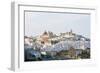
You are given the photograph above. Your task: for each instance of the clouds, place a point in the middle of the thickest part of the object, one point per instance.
(37, 22)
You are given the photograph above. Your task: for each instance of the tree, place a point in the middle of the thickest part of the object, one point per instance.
(84, 54)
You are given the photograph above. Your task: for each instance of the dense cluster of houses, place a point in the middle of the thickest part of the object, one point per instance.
(52, 43)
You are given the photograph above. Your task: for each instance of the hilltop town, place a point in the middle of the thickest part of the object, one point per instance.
(50, 46)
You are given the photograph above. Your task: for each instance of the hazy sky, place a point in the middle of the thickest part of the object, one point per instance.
(37, 22)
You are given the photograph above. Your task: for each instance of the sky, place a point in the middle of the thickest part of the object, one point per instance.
(38, 22)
